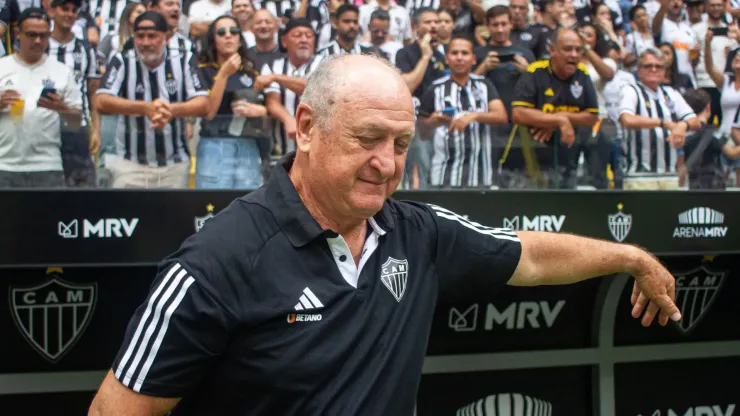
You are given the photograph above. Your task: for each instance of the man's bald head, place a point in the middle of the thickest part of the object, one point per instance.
(564, 33)
(347, 78)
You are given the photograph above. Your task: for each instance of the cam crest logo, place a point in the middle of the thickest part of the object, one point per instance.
(171, 86)
(200, 221)
(620, 224)
(394, 274)
(576, 89)
(53, 315)
(696, 291)
(246, 80)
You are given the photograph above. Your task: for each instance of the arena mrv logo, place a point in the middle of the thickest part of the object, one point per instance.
(102, 228)
(53, 315)
(518, 315)
(552, 223)
(710, 410)
(700, 222)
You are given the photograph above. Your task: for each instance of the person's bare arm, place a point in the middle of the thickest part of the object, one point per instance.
(198, 29)
(536, 118)
(496, 114)
(713, 72)
(111, 104)
(605, 71)
(582, 118)
(295, 84)
(276, 109)
(115, 399)
(658, 19)
(560, 259)
(302, 10)
(413, 79)
(632, 121)
(194, 107)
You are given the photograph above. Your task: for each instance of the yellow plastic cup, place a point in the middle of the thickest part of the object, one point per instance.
(16, 110)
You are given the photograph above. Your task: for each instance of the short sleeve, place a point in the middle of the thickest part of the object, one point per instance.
(525, 92)
(628, 102)
(471, 258)
(403, 61)
(492, 91)
(114, 76)
(194, 85)
(683, 110)
(93, 69)
(206, 77)
(274, 87)
(589, 90)
(426, 106)
(175, 334)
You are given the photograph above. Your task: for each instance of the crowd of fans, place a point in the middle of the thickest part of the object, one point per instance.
(625, 94)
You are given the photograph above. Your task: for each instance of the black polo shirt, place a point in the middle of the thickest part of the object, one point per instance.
(540, 88)
(264, 313)
(407, 58)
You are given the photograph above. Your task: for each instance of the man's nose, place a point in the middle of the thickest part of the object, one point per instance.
(384, 158)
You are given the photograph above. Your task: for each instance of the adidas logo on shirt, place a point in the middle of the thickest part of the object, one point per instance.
(307, 301)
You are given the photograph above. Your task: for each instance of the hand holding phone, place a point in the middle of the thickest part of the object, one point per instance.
(720, 31)
(449, 111)
(508, 57)
(48, 91)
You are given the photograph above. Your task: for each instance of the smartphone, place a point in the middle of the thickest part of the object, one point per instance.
(719, 31)
(46, 91)
(449, 111)
(508, 57)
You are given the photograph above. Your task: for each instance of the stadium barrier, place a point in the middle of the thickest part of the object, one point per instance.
(75, 265)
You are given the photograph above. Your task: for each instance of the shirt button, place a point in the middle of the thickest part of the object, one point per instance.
(342, 257)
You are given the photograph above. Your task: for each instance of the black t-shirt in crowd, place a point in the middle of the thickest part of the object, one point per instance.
(505, 77)
(536, 37)
(260, 59)
(706, 171)
(263, 312)
(406, 60)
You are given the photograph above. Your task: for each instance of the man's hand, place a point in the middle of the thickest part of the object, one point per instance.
(438, 119)
(263, 81)
(425, 44)
(8, 98)
(53, 102)
(567, 135)
(94, 141)
(245, 109)
(541, 135)
(159, 114)
(654, 288)
(519, 63)
(678, 135)
(460, 123)
(492, 61)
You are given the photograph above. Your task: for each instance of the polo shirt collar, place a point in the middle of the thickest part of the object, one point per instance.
(292, 215)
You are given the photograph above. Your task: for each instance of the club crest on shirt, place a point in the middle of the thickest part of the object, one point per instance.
(576, 89)
(246, 80)
(48, 83)
(398, 21)
(394, 274)
(525, 36)
(171, 86)
(480, 95)
(77, 56)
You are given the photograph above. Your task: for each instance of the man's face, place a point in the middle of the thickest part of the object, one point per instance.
(694, 11)
(378, 31)
(460, 57)
(358, 162)
(715, 9)
(242, 10)
(556, 8)
(569, 7)
(675, 7)
(499, 27)
(150, 46)
(651, 70)
(428, 23)
(300, 42)
(34, 38)
(66, 15)
(566, 53)
(170, 9)
(519, 12)
(348, 26)
(641, 19)
(263, 25)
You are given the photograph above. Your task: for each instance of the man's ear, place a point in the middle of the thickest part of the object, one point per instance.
(304, 122)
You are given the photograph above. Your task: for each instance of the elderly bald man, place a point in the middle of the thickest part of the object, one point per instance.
(314, 295)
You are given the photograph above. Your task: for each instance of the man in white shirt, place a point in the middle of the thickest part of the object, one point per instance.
(672, 28)
(400, 24)
(35, 92)
(380, 21)
(720, 48)
(203, 12)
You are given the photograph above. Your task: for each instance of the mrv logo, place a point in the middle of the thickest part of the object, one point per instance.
(552, 223)
(102, 228)
(700, 222)
(713, 410)
(518, 315)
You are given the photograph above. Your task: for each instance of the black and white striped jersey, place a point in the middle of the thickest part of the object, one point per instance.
(315, 334)
(107, 14)
(414, 5)
(288, 98)
(647, 150)
(333, 48)
(277, 7)
(174, 80)
(318, 14)
(79, 56)
(461, 159)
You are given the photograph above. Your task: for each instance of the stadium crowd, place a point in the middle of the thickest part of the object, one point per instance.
(509, 94)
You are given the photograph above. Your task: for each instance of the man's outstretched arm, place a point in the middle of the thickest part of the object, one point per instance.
(115, 399)
(559, 259)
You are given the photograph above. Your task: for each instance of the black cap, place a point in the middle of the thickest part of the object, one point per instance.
(57, 3)
(33, 13)
(294, 23)
(150, 20)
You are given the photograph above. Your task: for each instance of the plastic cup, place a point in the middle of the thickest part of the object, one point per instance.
(16, 109)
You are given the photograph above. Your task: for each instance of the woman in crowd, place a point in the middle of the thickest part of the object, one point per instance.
(446, 27)
(228, 154)
(604, 20)
(112, 42)
(729, 85)
(641, 38)
(681, 82)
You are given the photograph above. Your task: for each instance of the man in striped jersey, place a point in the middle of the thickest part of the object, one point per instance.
(657, 118)
(232, 328)
(278, 8)
(348, 30)
(177, 43)
(285, 79)
(152, 91)
(107, 14)
(79, 56)
(461, 107)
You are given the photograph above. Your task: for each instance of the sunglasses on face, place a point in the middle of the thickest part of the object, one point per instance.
(651, 67)
(222, 31)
